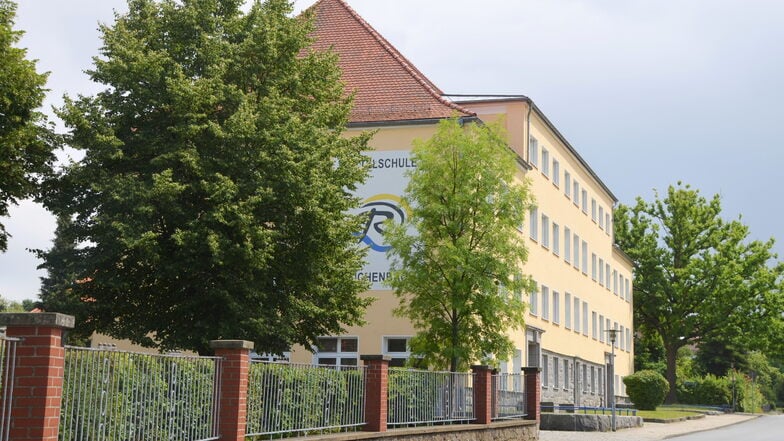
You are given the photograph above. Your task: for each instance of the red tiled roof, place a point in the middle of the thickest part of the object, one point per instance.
(387, 86)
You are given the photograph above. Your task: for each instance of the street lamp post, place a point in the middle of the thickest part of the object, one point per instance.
(613, 334)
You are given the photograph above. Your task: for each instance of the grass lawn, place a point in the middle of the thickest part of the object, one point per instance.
(665, 413)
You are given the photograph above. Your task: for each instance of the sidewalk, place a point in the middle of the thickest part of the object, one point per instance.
(649, 431)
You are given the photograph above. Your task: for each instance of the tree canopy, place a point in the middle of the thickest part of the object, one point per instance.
(213, 197)
(26, 141)
(456, 267)
(698, 277)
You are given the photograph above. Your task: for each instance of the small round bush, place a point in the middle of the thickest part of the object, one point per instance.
(646, 389)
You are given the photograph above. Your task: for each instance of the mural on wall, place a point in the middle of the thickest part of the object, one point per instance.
(381, 201)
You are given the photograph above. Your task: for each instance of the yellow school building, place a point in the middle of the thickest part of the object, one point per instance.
(584, 280)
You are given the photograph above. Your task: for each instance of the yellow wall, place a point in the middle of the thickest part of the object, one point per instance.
(543, 265)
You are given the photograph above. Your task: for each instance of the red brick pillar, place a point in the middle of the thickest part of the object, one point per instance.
(376, 392)
(533, 392)
(38, 379)
(233, 398)
(483, 394)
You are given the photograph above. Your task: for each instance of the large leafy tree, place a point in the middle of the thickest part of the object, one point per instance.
(697, 276)
(456, 266)
(26, 141)
(212, 199)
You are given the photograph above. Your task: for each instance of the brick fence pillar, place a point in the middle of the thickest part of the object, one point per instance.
(376, 392)
(38, 380)
(533, 392)
(233, 398)
(483, 394)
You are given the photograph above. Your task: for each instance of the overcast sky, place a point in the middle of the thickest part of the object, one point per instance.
(649, 92)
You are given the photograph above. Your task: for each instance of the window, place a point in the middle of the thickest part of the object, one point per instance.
(593, 379)
(601, 379)
(622, 338)
(577, 315)
(585, 319)
(533, 151)
(594, 326)
(533, 218)
(585, 201)
(576, 192)
(601, 272)
(567, 310)
(533, 301)
(593, 266)
(545, 162)
(576, 256)
(545, 231)
(556, 307)
(628, 340)
(607, 275)
(618, 340)
(518, 292)
(628, 291)
(337, 351)
(556, 173)
(556, 380)
(608, 223)
(615, 282)
(398, 349)
(585, 377)
(545, 371)
(567, 245)
(585, 257)
(593, 209)
(607, 328)
(556, 239)
(545, 303)
(601, 217)
(566, 374)
(601, 328)
(567, 184)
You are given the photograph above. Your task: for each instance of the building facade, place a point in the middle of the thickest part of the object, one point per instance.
(584, 281)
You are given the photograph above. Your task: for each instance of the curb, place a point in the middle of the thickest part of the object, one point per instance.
(673, 420)
(713, 428)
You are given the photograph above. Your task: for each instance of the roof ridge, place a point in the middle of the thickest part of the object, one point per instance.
(409, 67)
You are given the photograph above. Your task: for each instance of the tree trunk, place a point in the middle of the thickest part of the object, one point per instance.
(671, 354)
(454, 361)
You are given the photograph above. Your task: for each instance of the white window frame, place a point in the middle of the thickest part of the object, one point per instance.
(533, 151)
(533, 220)
(396, 354)
(545, 303)
(556, 307)
(567, 310)
(339, 354)
(545, 231)
(556, 173)
(545, 162)
(556, 239)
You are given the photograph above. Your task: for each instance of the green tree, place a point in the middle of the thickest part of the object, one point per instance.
(696, 275)
(26, 141)
(213, 197)
(458, 277)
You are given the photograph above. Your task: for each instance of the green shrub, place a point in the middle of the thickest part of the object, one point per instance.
(708, 390)
(646, 389)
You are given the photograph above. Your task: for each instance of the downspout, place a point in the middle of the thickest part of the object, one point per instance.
(528, 132)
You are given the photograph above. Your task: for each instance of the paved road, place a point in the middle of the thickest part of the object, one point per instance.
(660, 431)
(767, 428)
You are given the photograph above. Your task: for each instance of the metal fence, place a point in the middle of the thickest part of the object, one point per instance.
(425, 397)
(289, 398)
(111, 395)
(509, 398)
(7, 371)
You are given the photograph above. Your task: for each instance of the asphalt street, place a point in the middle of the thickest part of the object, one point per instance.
(766, 428)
